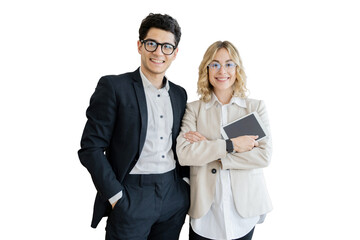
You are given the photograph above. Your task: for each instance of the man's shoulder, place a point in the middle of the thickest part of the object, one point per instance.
(177, 88)
(124, 78)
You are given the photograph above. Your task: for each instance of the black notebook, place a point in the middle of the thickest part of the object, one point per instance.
(250, 124)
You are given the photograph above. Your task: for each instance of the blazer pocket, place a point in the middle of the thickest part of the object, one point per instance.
(120, 202)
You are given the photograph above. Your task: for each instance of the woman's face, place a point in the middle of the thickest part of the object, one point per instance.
(222, 72)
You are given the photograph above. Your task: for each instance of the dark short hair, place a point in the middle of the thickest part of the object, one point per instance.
(164, 22)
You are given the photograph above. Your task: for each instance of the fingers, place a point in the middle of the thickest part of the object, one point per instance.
(193, 136)
(254, 136)
(198, 135)
(255, 143)
(245, 143)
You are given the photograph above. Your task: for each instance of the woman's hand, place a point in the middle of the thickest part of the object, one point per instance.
(193, 136)
(244, 143)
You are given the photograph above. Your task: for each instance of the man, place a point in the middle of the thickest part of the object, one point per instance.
(128, 144)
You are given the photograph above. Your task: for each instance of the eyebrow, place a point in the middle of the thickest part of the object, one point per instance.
(150, 39)
(230, 60)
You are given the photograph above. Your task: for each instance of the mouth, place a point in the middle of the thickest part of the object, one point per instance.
(156, 61)
(222, 79)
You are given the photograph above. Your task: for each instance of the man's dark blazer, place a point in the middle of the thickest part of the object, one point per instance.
(115, 132)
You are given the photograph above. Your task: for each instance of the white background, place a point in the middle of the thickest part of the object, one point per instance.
(301, 57)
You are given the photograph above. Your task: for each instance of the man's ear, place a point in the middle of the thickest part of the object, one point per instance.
(139, 46)
(175, 52)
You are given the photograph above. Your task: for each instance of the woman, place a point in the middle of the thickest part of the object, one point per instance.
(228, 192)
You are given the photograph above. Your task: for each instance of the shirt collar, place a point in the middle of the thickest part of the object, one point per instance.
(214, 100)
(147, 83)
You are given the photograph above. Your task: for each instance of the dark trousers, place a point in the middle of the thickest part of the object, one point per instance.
(153, 207)
(194, 236)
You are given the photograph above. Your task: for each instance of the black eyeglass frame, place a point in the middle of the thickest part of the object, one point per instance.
(157, 45)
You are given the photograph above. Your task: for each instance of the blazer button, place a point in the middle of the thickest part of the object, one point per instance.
(213, 171)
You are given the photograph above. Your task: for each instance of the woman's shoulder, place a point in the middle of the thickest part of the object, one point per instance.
(195, 106)
(253, 102)
(194, 103)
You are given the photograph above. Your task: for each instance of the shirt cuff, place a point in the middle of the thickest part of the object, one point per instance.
(115, 198)
(187, 180)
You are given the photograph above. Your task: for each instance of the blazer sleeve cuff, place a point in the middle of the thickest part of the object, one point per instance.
(116, 197)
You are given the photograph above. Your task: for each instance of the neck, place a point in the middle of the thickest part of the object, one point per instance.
(223, 96)
(155, 79)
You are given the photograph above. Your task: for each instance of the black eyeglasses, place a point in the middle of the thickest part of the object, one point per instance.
(151, 46)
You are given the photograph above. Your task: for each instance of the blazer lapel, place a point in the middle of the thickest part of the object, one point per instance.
(141, 100)
(175, 109)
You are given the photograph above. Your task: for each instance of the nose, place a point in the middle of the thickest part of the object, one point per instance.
(222, 69)
(158, 50)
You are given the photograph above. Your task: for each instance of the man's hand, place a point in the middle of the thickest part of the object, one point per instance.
(113, 205)
(244, 143)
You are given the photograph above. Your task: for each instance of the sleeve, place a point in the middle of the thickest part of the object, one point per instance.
(198, 153)
(116, 198)
(258, 157)
(101, 115)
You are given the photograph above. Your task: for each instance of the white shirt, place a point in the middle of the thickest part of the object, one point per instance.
(156, 156)
(223, 222)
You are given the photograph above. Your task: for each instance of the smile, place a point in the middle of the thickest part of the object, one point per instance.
(222, 79)
(156, 61)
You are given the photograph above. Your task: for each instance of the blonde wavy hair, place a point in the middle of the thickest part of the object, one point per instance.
(204, 87)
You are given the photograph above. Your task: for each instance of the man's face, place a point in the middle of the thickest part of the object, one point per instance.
(154, 64)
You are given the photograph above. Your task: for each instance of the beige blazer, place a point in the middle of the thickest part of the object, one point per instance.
(247, 179)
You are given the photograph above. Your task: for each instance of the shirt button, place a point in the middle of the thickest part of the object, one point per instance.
(213, 171)
(158, 95)
(161, 138)
(163, 156)
(161, 116)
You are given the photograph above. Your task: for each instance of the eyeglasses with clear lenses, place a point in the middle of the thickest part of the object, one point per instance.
(151, 46)
(215, 66)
